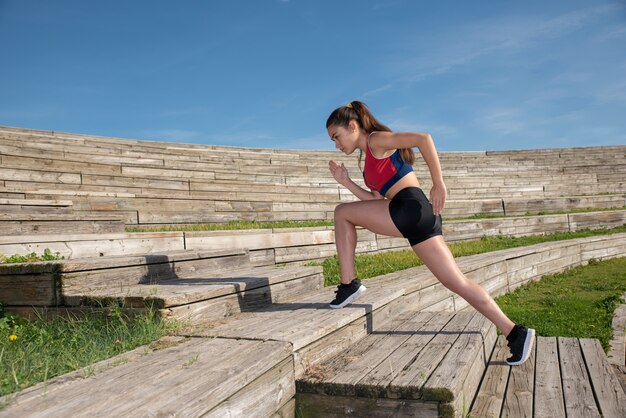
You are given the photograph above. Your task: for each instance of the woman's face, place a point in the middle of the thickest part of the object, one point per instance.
(345, 138)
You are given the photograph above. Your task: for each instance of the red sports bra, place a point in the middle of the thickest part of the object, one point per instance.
(382, 173)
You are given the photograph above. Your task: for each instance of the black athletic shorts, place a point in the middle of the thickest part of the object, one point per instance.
(412, 214)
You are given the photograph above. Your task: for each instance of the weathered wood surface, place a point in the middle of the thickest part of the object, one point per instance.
(287, 182)
(607, 390)
(60, 227)
(617, 350)
(218, 308)
(185, 290)
(564, 376)
(489, 399)
(301, 321)
(407, 359)
(548, 395)
(518, 400)
(193, 378)
(311, 405)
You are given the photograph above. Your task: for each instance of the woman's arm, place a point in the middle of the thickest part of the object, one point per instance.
(340, 173)
(383, 141)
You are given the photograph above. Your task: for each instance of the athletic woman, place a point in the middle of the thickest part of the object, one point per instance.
(396, 206)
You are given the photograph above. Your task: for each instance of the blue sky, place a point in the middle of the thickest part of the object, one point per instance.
(477, 75)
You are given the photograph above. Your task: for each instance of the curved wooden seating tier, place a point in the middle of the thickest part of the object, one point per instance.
(153, 183)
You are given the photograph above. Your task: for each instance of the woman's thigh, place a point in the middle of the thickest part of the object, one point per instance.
(436, 255)
(370, 214)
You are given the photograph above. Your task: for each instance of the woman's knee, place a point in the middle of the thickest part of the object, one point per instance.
(341, 211)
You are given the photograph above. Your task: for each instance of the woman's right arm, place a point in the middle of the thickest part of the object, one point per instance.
(340, 173)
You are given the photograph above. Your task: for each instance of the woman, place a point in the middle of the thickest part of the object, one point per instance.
(396, 206)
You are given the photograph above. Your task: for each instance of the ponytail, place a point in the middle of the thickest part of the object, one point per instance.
(359, 112)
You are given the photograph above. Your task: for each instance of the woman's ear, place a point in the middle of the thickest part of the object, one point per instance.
(352, 126)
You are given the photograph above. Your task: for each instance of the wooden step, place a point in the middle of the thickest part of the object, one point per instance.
(209, 295)
(195, 377)
(432, 357)
(44, 283)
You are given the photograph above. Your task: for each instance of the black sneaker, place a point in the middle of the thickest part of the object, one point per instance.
(520, 341)
(346, 293)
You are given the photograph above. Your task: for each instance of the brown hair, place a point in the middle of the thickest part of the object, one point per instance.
(359, 112)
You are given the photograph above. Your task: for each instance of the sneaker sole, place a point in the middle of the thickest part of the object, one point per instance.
(350, 298)
(528, 345)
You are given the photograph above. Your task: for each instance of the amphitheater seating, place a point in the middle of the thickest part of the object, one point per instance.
(247, 296)
(295, 342)
(153, 183)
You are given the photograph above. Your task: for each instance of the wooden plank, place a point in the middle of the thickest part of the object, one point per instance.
(518, 401)
(59, 166)
(193, 304)
(308, 359)
(408, 383)
(322, 406)
(262, 397)
(39, 176)
(345, 370)
(457, 378)
(548, 395)
(617, 349)
(173, 291)
(36, 202)
(606, 386)
(490, 396)
(149, 183)
(59, 227)
(286, 411)
(577, 390)
(380, 376)
(29, 289)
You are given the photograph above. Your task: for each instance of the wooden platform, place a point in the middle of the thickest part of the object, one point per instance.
(564, 377)
(424, 371)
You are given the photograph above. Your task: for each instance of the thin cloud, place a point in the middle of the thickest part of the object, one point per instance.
(472, 42)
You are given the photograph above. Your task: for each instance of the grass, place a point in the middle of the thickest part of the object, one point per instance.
(579, 302)
(530, 214)
(32, 257)
(233, 225)
(236, 225)
(37, 350)
(371, 265)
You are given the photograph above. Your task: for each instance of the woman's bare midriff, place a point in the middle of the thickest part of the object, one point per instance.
(410, 180)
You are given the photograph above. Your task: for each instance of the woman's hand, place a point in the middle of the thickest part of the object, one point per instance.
(438, 197)
(339, 172)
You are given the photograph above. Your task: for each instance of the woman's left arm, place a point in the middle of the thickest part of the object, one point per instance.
(426, 145)
(438, 192)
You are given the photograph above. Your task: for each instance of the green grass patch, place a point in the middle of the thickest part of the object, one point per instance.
(234, 225)
(530, 214)
(579, 302)
(371, 265)
(33, 351)
(31, 258)
(238, 225)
